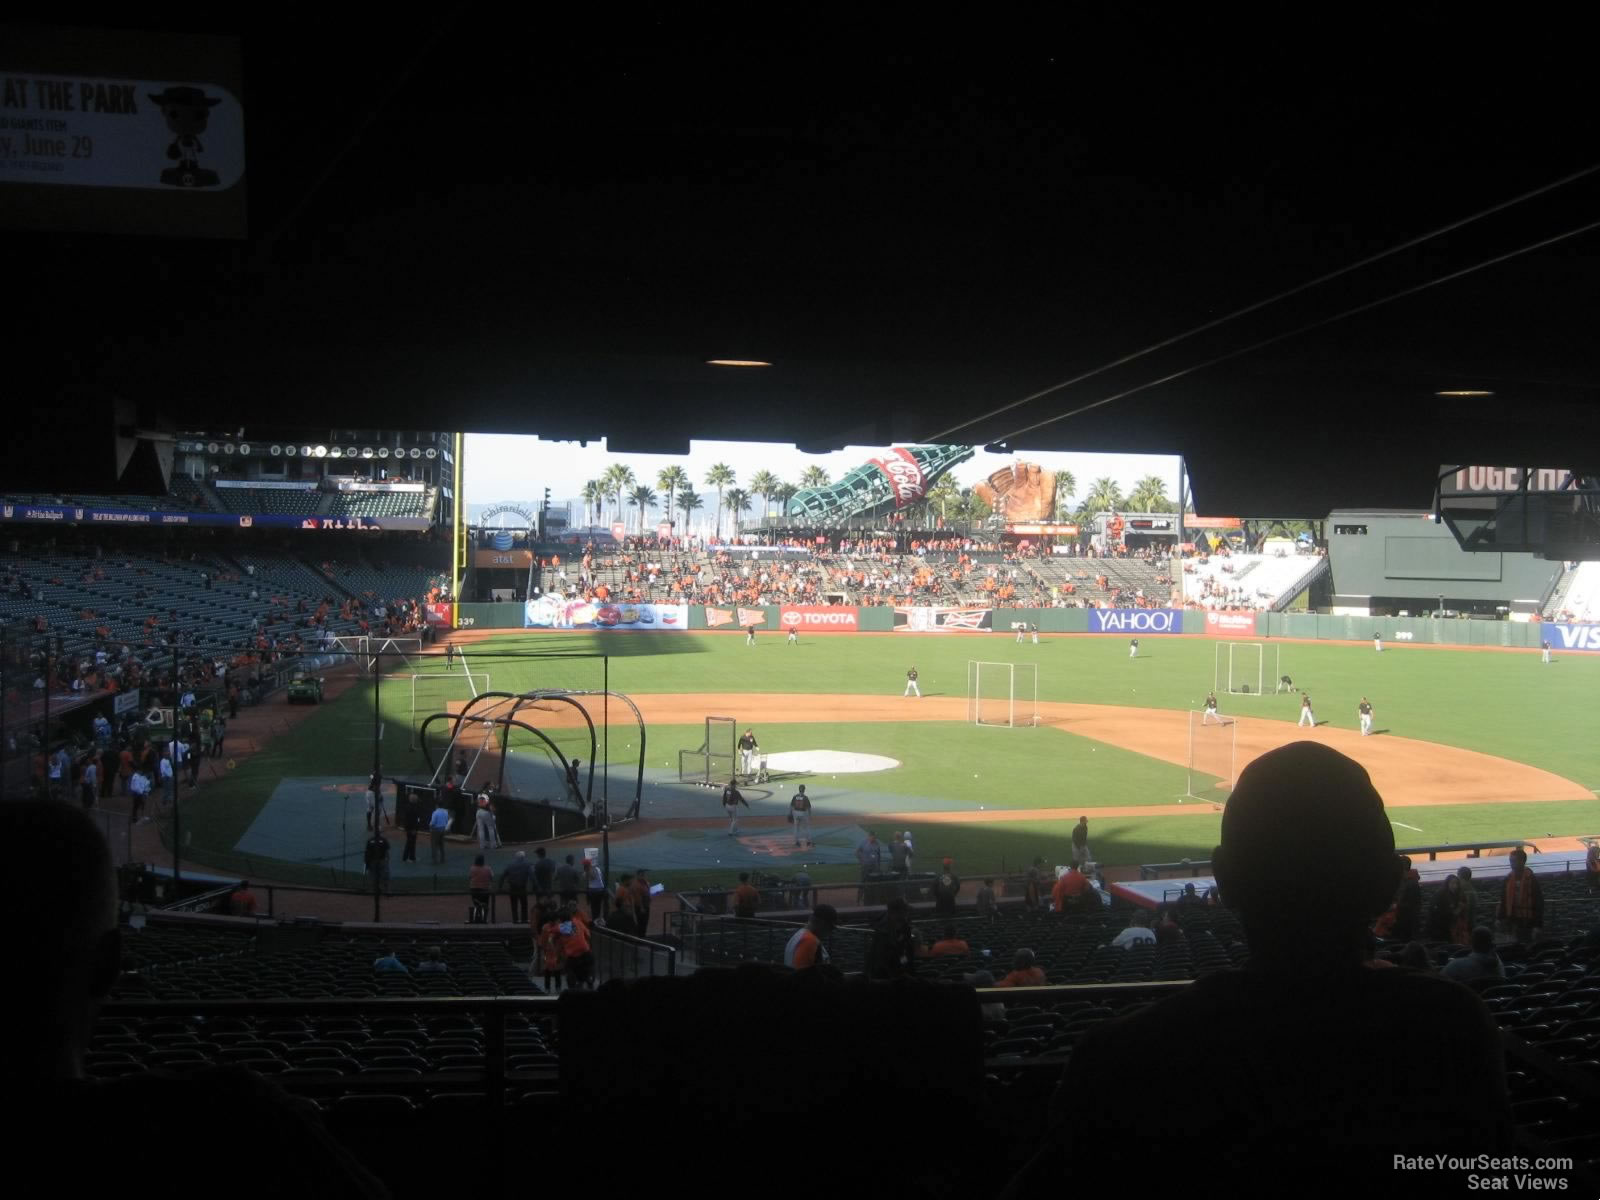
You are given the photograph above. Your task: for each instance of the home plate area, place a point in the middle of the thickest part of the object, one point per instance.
(831, 762)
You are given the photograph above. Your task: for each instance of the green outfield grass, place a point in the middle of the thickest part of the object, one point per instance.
(1505, 704)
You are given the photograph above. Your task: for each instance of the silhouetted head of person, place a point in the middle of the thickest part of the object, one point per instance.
(824, 917)
(75, 950)
(1297, 804)
(1483, 940)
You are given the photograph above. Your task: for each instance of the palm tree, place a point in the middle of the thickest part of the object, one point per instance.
(738, 502)
(765, 484)
(619, 478)
(594, 495)
(669, 480)
(721, 477)
(1066, 484)
(783, 494)
(1149, 495)
(688, 501)
(814, 477)
(643, 497)
(1104, 495)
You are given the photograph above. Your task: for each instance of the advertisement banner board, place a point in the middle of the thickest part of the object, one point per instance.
(1135, 621)
(928, 619)
(440, 616)
(1572, 637)
(814, 618)
(1230, 623)
(554, 612)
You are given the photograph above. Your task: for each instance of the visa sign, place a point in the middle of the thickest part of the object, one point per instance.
(1135, 620)
(1573, 637)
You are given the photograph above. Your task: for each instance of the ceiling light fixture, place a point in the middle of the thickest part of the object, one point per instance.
(1465, 392)
(736, 362)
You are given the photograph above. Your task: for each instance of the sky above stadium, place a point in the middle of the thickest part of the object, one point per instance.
(510, 468)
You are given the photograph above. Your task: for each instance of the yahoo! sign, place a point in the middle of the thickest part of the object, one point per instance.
(1135, 620)
(1572, 637)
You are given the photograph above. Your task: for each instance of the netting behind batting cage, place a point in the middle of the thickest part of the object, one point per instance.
(438, 691)
(716, 761)
(1245, 669)
(1004, 695)
(1212, 747)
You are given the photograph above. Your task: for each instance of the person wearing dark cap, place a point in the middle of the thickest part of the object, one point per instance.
(805, 948)
(1309, 1056)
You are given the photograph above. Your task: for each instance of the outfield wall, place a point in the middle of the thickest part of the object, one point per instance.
(1116, 622)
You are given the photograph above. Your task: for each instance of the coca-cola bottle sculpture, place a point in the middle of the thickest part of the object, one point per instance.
(895, 479)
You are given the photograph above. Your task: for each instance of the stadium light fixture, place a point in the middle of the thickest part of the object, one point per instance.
(1466, 392)
(736, 362)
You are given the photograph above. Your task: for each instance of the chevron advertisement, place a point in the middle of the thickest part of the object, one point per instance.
(1135, 621)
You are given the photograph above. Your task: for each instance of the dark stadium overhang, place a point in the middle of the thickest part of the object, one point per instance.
(935, 234)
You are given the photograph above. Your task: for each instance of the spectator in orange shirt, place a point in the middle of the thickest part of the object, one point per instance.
(573, 932)
(745, 898)
(1025, 973)
(805, 949)
(949, 944)
(243, 901)
(1072, 891)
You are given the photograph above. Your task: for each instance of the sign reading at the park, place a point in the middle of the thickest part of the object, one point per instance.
(131, 132)
(80, 131)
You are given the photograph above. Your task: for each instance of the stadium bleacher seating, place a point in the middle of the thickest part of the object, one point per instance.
(1577, 595)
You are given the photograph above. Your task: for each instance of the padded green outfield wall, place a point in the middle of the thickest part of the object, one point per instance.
(1448, 632)
(1318, 626)
(506, 615)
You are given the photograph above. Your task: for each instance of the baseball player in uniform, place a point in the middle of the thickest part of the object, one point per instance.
(1377, 642)
(1545, 653)
(1034, 629)
(911, 685)
(1286, 684)
(731, 800)
(792, 638)
(1365, 709)
(1306, 716)
(800, 814)
(1133, 648)
(1211, 710)
(1022, 629)
(749, 635)
(747, 751)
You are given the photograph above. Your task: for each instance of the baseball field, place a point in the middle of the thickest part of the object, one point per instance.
(1468, 745)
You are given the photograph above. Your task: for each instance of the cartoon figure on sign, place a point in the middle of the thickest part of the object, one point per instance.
(187, 110)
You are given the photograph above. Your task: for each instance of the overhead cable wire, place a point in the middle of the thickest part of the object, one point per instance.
(1307, 328)
(1270, 300)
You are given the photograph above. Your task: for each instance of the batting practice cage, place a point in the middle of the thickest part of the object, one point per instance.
(1212, 748)
(1002, 694)
(716, 761)
(1241, 668)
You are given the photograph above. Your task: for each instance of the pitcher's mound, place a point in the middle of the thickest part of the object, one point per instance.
(834, 762)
